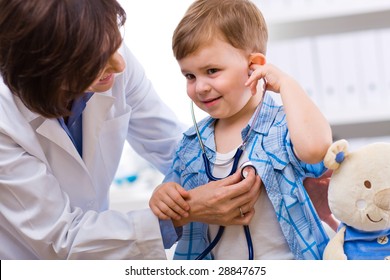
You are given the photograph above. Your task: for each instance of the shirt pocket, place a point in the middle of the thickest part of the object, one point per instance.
(271, 161)
(191, 169)
(276, 172)
(278, 159)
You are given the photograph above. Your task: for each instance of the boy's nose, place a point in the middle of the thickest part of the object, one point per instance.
(202, 87)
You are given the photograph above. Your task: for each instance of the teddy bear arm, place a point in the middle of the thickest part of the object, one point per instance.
(335, 248)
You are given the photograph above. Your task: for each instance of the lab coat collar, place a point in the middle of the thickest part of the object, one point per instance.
(94, 115)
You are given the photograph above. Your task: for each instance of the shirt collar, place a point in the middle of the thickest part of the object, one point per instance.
(261, 125)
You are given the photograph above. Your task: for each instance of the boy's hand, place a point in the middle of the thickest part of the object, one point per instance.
(309, 130)
(273, 76)
(168, 202)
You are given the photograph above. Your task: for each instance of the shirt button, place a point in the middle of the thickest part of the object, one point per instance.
(383, 240)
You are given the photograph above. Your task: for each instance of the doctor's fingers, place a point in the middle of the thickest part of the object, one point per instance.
(247, 200)
(254, 193)
(245, 219)
(242, 203)
(233, 186)
(244, 191)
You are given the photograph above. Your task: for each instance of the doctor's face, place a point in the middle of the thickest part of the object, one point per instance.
(106, 78)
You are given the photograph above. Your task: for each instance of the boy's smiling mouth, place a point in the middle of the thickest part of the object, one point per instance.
(210, 102)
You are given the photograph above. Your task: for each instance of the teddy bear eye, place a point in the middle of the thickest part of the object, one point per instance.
(367, 184)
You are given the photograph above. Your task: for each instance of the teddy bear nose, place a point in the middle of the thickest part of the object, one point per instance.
(382, 199)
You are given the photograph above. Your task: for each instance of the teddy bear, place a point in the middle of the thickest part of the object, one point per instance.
(359, 197)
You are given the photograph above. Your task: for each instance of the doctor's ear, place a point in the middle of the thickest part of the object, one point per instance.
(257, 58)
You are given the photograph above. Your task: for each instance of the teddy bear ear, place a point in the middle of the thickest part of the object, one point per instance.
(336, 154)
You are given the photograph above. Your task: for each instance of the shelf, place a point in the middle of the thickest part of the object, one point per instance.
(337, 50)
(361, 130)
(329, 24)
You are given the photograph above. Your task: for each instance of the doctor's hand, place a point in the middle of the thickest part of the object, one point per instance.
(168, 201)
(219, 202)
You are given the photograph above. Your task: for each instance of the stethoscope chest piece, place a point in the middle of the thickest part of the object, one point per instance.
(244, 169)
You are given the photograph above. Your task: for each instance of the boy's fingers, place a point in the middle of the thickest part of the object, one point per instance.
(169, 212)
(166, 206)
(156, 211)
(180, 199)
(176, 205)
(183, 192)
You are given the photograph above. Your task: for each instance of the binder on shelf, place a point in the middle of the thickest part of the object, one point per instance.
(279, 54)
(305, 67)
(384, 44)
(348, 72)
(367, 55)
(328, 77)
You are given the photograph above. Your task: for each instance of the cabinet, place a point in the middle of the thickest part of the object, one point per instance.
(338, 51)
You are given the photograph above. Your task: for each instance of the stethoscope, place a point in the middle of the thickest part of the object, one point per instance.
(235, 159)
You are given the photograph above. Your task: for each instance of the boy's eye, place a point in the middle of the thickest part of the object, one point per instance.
(212, 71)
(189, 76)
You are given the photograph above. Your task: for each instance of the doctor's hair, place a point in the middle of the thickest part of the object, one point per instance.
(237, 22)
(52, 51)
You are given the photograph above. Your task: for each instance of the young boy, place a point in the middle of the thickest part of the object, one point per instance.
(218, 45)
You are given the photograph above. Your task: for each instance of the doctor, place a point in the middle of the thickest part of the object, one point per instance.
(71, 94)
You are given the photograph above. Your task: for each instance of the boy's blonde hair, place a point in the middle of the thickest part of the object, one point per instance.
(238, 22)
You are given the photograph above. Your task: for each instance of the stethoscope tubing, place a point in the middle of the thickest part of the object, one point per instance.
(211, 177)
(221, 229)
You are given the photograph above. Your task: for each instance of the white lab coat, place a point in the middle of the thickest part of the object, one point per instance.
(53, 203)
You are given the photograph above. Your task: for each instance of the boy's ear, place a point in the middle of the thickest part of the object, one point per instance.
(257, 58)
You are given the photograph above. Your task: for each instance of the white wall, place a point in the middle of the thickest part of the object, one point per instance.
(148, 31)
(149, 28)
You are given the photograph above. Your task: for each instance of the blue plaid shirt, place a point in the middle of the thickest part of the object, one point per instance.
(270, 150)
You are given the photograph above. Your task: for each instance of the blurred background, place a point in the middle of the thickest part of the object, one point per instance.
(336, 49)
